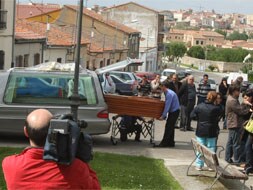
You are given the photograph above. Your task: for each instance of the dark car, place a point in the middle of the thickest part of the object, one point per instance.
(245, 85)
(124, 87)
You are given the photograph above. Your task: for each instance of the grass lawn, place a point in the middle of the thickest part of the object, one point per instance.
(120, 171)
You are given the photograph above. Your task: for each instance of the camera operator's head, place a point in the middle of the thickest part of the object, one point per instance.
(36, 126)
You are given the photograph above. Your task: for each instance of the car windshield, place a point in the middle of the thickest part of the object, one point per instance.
(47, 88)
(167, 73)
(210, 81)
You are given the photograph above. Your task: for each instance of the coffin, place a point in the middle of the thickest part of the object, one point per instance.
(134, 105)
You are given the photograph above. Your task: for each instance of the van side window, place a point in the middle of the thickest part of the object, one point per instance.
(48, 88)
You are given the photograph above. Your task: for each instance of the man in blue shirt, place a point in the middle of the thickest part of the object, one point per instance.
(171, 112)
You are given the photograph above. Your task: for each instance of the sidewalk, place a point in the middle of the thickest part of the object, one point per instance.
(176, 159)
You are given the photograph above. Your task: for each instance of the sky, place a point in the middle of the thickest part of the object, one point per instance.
(220, 6)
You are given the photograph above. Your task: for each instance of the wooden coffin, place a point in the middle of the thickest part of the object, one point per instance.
(134, 105)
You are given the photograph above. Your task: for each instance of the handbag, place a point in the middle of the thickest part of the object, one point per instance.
(249, 126)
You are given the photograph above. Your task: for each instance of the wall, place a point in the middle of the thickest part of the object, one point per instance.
(28, 48)
(53, 53)
(146, 21)
(222, 66)
(6, 35)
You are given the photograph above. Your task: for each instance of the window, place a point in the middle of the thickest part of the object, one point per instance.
(3, 16)
(26, 60)
(36, 60)
(108, 62)
(1, 60)
(59, 60)
(19, 61)
(197, 42)
(101, 64)
(201, 42)
(48, 89)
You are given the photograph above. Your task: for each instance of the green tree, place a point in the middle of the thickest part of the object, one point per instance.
(238, 36)
(175, 50)
(222, 32)
(196, 52)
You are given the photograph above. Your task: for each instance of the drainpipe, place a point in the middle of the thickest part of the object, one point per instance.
(13, 64)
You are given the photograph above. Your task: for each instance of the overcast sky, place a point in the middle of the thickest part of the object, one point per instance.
(220, 6)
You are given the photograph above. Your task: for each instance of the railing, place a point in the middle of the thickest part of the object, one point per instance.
(3, 19)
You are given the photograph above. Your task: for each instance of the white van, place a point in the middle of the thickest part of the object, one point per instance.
(167, 72)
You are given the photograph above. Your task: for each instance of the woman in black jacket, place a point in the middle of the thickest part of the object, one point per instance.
(223, 89)
(207, 115)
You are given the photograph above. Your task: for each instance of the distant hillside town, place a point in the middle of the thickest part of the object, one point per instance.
(47, 32)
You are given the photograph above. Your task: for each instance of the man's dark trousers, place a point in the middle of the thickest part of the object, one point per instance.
(169, 133)
(233, 148)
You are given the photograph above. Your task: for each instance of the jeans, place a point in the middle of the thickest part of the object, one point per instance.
(209, 143)
(233, 147)
(249, 151)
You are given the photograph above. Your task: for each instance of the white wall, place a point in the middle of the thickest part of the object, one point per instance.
(6, 35)
(53, 53)
(29, 48)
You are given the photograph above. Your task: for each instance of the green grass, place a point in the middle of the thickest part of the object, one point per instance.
(121, 172)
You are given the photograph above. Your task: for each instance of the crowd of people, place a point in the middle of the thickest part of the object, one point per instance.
(208, 107)
(180, 102)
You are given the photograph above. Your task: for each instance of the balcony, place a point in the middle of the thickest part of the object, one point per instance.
(3, 19)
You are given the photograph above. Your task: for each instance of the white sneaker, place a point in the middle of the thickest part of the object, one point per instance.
(199, 168)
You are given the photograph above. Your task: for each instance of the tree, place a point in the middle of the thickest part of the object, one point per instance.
(237, 36)
(175, 50)
(222, 32)
(196, 52)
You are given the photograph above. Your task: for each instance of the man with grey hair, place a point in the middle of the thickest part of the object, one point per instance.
(187, 98)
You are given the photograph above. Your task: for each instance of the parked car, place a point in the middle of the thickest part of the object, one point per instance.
(26, 89)
(182, 74)
(107, 84)
(245, 85)
(124, 87)
(128, 76)
(212, 83)
(167, 72)
(150, 75)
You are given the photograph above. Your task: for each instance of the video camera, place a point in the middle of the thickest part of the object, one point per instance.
(65, 141)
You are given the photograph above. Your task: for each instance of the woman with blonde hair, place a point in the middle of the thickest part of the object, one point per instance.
(207, 115)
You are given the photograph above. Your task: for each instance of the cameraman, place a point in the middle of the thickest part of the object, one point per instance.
(28, 170)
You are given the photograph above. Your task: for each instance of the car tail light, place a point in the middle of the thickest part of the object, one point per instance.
(103, 114)
(60, 93)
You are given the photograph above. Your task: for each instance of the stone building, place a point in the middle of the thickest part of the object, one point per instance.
(7, 21)
(151, 25)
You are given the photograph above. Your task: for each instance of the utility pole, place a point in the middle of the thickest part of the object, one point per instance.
(75, 98)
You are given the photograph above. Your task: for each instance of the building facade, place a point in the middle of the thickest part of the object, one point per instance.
(7, 21)
(151, 25)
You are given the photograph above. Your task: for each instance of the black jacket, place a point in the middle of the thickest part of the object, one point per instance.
(172, 87)
(207, 115)
(183, 94)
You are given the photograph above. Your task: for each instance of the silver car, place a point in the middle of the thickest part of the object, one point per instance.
(26, 89)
